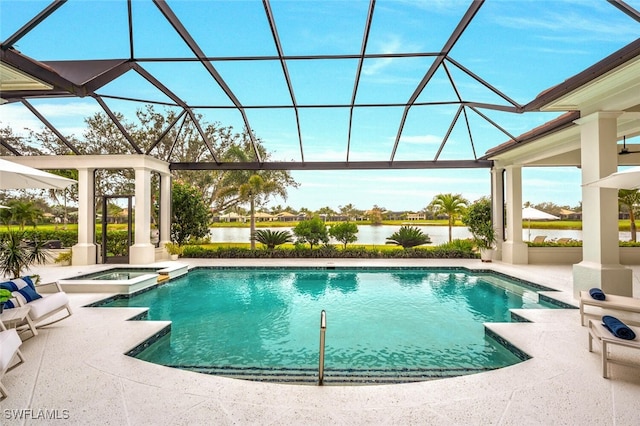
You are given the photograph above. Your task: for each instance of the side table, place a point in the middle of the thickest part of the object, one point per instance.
(16, 317)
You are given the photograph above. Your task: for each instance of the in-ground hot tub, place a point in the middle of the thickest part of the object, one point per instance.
(122, 280)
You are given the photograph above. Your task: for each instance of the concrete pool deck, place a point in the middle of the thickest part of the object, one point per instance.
(75, 372)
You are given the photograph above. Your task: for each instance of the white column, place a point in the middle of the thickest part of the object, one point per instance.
(497, 208)
(600, 266)
(84, 253)
(165, 211)
(514, 250)
(142, 251)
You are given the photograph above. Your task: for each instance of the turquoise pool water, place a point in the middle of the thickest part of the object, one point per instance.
(377, 319)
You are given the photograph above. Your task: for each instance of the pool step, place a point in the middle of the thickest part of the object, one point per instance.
(333, 377)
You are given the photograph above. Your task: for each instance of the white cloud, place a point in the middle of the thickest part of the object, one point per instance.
(392, 44)
(569, 22)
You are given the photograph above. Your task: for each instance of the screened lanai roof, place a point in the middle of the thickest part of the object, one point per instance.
(320, 84)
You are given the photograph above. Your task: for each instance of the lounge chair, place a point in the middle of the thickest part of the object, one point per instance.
(43, 306)
(539, 239)
(600, 334)
(9, 349)
(611, 302)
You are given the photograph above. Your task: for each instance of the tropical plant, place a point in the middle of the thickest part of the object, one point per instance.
(252, 186)
(349, 211)
(375, 215)
(5, 217)
(25, 212)
(272, 239)
(478, 219)
(344, 232)
(630, 198)
(64, 257)
(312, 231)
(4, 296)
(70, 192)
(174, 248)
(451, 205)
(408, 237)
(16, 255)
(191, 217)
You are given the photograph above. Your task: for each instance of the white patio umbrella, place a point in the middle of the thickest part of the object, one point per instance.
(529, 213)
(17, 176)
(625, 179)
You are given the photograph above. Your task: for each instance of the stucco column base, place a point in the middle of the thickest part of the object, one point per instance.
(515, 252)
(612, 279)
(142, 254)
(83, 254)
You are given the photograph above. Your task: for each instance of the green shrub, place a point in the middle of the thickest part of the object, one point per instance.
(68, 238)
(344, 232)
(312, 231)
(408, 237)
(64, 257)
(272, 239)
(327, 252)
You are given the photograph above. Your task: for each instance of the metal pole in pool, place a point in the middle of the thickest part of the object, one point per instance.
(323, 329)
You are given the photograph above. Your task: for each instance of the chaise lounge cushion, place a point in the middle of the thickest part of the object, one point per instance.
(9, 343)
(22, 289)
(9, 348)
(46, 304)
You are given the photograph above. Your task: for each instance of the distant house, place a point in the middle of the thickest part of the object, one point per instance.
(231, 217)
(264, 217)
(416, 216)
(394, 215)
(287, 217)
(570, 215)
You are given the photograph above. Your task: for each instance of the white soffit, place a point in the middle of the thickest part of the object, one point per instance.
(617, 90)
(13, 79)
(558, 148)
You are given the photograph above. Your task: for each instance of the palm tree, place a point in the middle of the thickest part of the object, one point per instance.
(66, 193)
(375, 215)
(251, 190)
(349, 211)
(451, 205)
(15, 256)
(24, 212)
(630, 198)
(252, 186)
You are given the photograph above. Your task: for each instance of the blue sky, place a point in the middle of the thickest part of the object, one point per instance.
(520, 47)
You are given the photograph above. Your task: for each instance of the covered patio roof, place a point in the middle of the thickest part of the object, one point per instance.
(436, 94)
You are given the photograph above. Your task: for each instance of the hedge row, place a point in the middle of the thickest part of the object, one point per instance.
(324, 252)
(117, 244)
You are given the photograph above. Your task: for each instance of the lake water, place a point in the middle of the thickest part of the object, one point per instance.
(377, 235)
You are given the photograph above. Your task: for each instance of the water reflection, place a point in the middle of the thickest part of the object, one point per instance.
(345, 282)
(312, 284)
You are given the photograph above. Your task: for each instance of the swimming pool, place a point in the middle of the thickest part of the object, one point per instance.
(394, 324)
